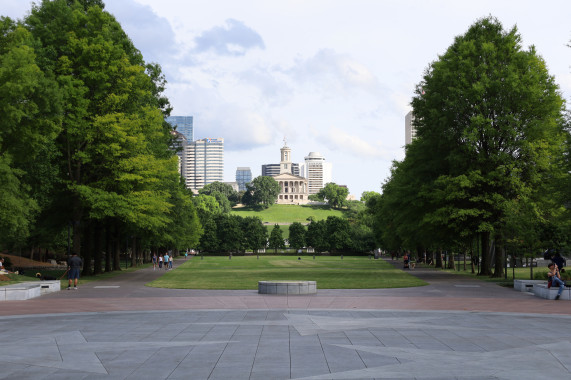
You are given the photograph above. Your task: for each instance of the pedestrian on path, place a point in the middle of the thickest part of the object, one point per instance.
(171, 259)
(555, 278)
(160, 262)
(73, 266)
(166, 259)
(154, 261)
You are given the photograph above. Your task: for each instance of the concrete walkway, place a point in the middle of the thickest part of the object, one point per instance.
(454, 328)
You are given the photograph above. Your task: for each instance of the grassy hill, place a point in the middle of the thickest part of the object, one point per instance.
(287, 214)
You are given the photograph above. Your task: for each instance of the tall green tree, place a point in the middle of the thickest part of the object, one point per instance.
(297, 235)
(262, 191)
(29, 106)
(490, 114)
(276, 240)
(333, 194)
(222, 188)
(113, 139)
(255, 233)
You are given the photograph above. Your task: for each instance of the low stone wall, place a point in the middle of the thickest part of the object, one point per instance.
(527, 285)
(541, 290)
(287, 287)
(27, 290)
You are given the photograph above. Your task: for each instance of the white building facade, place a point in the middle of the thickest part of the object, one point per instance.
(317, 171)
(293, 188)
(204, 162)
(409, 130)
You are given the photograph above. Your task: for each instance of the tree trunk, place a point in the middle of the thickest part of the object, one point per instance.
(451, 262)
(116, 249)
(88, 249)
(108, 247)
(98, 247)
(439, 259)
(500, 254)
(485, 269)
(134, 252)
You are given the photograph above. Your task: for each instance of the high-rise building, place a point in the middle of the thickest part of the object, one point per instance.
(272, 170)
(317, 171)
(204, 162)
(182, 124)
(243, 177)
(179, 146)
(409, 129)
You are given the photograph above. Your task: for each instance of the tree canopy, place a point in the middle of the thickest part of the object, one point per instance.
(489, 134)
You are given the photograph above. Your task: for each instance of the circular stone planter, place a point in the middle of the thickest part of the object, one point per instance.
(287, 287)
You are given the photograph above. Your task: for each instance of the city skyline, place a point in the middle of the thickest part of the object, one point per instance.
(339, 82)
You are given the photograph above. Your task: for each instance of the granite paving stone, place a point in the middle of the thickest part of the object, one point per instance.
(438, 331)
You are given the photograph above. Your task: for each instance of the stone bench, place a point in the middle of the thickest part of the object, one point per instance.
(541, 290)
(27, 290)
(527, 285)
(287, 287)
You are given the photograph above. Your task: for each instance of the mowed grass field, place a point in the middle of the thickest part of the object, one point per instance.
(288, 213)
(244, 272)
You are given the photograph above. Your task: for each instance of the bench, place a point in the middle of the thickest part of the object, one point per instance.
(527, 285)
(27, 290)
(541, 290)
(287, 287)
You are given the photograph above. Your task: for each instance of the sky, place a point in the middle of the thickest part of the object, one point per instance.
(329, 76)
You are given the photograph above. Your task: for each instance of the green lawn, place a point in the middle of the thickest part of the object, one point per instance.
(244, 272)
(288, 213)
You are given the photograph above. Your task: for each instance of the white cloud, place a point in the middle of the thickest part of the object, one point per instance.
(234, 38)
(329, 71)
(339, 139)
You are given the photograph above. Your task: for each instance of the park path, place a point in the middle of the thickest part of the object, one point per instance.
(446, 291)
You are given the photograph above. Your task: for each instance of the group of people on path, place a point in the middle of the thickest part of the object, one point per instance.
(162, 261)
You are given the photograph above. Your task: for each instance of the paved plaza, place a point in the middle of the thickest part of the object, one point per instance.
(454, 328)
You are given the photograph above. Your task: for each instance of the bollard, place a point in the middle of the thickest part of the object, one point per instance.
(341, 257)
(313, 257)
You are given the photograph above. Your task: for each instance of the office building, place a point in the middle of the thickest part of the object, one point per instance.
(272, 170)
(409, 130)
(317, 171)
(243, 177)
(204, 162)
(182, 124)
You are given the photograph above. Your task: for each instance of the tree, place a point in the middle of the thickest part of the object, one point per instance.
(113, 143)
(29, 106)
(316, 235)
(262, 191)
(276, 239)
(338, 234)
(222, 188)
(488, 130)
(296, 235)
(255, 233)
(229, 234)
(334, 195)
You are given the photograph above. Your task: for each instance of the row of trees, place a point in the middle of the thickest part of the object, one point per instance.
(84, 148)
(490, 164)
(233, 233)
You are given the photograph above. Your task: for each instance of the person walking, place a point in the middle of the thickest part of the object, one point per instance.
(154, 261)
(160, 262)
(166, 259)
(73, 266)
(171, 259)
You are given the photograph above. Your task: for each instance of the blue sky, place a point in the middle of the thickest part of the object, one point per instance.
(332, 76)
